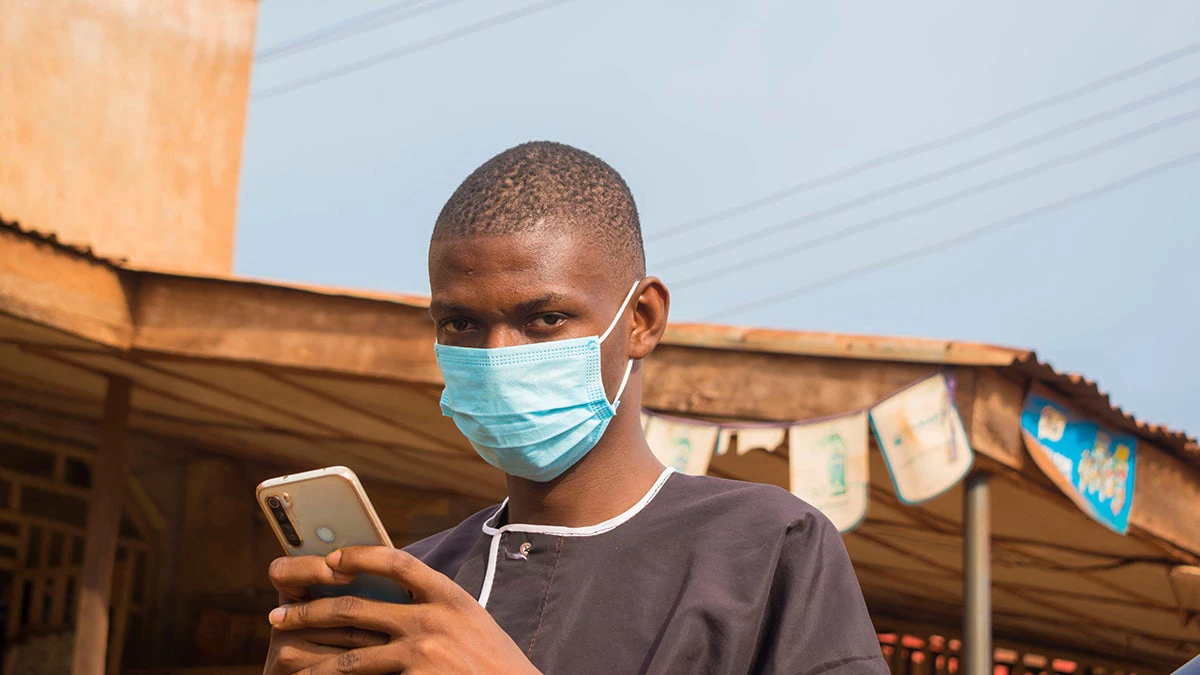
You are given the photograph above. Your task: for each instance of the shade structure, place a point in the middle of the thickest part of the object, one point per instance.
(310, 377)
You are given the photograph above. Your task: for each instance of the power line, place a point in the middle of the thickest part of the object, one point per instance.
(355, 25)
(873, 223)
(963, 238)
(406, 50)
(926, 146)
(753, 236)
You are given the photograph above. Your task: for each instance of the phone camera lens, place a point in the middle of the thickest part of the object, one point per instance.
(273, 502)
(281, 516)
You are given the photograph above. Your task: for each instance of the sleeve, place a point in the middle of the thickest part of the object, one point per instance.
(816, 621)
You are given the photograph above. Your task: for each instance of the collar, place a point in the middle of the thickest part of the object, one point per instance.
(490, 529)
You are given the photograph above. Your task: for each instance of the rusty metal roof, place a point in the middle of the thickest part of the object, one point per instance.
(1084, 392)
(1088, 395)
(51, 238)
(1081, 390)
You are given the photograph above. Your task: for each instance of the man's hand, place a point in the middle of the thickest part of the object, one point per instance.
(444, 630)
(293, 651)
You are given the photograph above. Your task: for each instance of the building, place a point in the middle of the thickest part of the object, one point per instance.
(144, 392)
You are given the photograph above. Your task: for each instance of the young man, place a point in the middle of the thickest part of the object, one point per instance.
(599, 561)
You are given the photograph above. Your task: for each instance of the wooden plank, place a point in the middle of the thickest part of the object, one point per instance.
(774, 387)
(42, 483)
(58, 599)
(1164, 487)
(104, 520)
(269, 324)
(45, 285)
(123, 593)
(995, 425)
(18, 600)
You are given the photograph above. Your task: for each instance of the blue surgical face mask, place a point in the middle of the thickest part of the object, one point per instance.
(531, 410)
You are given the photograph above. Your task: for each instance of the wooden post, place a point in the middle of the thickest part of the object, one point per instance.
(103, 527)
(124, 592)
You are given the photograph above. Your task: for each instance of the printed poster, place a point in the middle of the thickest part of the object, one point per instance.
(683, 445)
(922, 439)
(1091, 464)
(759, 438)
(747, 438)
(829, 467)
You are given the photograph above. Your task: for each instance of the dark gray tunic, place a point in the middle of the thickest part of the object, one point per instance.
(702, 576)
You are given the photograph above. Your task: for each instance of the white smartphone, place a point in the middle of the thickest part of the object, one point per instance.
(320, 511)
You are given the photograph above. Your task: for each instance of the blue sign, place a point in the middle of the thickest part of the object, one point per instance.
(1093, 465)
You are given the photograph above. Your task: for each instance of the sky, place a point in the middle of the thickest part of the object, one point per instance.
(704, 106)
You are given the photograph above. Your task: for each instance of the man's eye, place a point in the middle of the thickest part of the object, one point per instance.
(456, 325)
(548, 320)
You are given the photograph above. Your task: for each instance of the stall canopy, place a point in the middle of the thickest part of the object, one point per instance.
(316, 376)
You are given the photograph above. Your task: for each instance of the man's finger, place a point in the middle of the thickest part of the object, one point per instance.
(347, 611)
(342, 638)
(423, 582)
(365, 661)
(296, 656)
(292, 576)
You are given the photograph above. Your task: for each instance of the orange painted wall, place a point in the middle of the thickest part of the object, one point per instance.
(121, 124)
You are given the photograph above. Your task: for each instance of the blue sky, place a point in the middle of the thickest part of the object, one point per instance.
(705, 105)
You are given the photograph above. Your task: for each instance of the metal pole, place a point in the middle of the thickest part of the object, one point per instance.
(977, 577)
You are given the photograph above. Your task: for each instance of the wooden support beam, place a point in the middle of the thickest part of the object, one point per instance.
(103, 527)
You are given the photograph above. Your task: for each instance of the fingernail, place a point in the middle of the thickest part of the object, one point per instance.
(334, 559)
(342, 576)
(276, 616)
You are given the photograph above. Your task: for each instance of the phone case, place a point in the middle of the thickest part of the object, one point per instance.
(328, 510)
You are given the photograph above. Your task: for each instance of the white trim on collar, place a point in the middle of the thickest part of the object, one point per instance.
(495, 533)
(590, 530)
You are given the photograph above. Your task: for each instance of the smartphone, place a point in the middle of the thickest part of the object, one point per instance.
(320, 511)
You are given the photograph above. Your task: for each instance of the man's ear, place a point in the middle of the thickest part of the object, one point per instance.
(652, 302)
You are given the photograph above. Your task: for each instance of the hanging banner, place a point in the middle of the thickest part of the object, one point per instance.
(745, 439)
(683, 445)
(829, 467)
(724, 438)
(1091, 464)
(769, 439)
(922, 439)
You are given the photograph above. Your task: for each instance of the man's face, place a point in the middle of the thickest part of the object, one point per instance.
(549, 283)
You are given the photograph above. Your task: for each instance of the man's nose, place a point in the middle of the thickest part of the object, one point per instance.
(504, 335)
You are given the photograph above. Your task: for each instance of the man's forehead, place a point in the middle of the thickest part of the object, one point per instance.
(560, 254)
(521, 267)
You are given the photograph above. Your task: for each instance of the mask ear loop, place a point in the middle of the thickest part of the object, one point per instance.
(620, 311)
(628, 366)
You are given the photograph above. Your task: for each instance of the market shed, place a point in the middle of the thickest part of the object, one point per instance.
(114, 377)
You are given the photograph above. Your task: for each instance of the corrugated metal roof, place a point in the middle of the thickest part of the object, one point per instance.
(52, 239)
(1089, 397)
(1082, 391)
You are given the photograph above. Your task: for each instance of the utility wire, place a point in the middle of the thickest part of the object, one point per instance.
(963, 238)
(753, 236)
(355, 25)
(925, 207)
(422, 45)
(926, 146)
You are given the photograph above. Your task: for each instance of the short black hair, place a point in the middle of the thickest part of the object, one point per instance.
(515, 190)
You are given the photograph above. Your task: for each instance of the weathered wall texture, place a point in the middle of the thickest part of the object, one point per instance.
(121, 124)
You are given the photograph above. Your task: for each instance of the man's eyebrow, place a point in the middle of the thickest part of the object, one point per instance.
(539, 302)
(448, 308)
(526, 307)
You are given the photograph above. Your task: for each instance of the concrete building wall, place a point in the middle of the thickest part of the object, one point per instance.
(121, 124)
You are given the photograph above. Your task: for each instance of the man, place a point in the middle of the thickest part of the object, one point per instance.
(599, 561)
